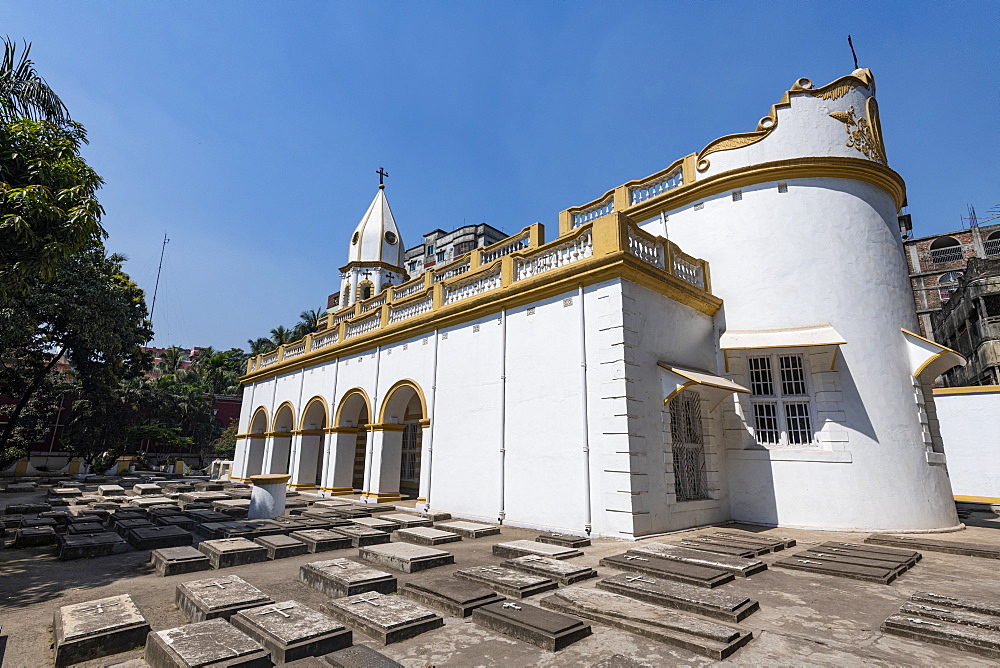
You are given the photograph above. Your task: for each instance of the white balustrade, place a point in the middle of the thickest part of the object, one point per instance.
(520, 242)
(411, 310)
(688, 271)
(363, 326)
(408, 289)
(647, 191)
(378, 302)
(474, 286)
(572, 251)
(647, 250)
(324, 340)
(451, 272)
(594, 212)
(341, 316)
(269, 359)
(294, 351)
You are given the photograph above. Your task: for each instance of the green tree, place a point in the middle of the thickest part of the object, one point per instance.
(225, 444)
(92, 314)
(23, 93)
(260, 346)
(308, 322)
(280, 336)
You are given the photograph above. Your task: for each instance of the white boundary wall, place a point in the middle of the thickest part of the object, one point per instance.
(970, 427)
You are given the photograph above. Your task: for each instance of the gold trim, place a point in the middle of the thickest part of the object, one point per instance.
(338, 491)
(968, 389)
(405, 382)
(270, 479)
(381, 426)
(256, 412)
(297, 486)
(291, 408)
(678, 391)
(977, 499)
(933, 343)
(343, 400)
(309, 432)
(326, 411)
(421, 499)
(382, 496)
(342, 430)
(279, 434)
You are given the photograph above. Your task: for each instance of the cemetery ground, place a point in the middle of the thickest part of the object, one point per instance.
(804, 618)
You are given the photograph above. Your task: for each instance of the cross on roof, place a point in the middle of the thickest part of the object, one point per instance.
(280, 611)
(382, 175)
(99, 607)
(373, 600)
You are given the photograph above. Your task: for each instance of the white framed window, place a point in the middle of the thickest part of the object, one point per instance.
(781, 405)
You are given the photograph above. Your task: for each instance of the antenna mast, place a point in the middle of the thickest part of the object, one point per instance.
(156, 288)
(851, 44)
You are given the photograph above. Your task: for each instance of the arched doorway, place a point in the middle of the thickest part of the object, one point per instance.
(404, 405)
(281, 439)
(309, 465)
(350, 449)
(256, 442)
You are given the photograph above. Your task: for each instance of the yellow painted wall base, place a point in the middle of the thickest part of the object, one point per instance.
(74, 467)
(382, 496)
(21, 468)
(303, 486)
(337, 491)
(977, 499)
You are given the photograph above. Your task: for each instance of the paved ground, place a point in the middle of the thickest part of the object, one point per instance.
(804, 619)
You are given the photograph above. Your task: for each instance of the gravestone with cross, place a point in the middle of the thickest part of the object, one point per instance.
(210, 643)
(177, 560)
(470, 529)
(280, 547)
(507, 581)
(426, 536)
(97, 628)
(717, 603)
(406, 557)
(151, 538)
(362, 536)
(669, 569)
(549, 630)
(565, 572)
(345, 577)
(521, 548)
(564, 540)
(86, 545)
(226, 552)
(388, 619)
(321, 540)
(738, 566)
(292, 631)
(222, 596)
(451, 595)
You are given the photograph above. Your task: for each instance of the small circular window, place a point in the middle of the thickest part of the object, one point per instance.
(390, 238)
(354, 239)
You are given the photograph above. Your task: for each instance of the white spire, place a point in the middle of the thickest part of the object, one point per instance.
(376, 238)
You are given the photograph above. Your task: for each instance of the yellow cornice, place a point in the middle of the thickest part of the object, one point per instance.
(620, 264)
(856, 169)
(969, 389)
(386, 427)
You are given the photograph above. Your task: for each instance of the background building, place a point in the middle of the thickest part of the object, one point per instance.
(969, 322)
(936, 265)
(441, 247)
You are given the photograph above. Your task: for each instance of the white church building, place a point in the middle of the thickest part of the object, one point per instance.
(729, 338)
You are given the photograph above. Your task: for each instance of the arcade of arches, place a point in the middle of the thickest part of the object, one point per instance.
(340, 449)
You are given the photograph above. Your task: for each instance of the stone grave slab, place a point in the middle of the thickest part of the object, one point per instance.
(19, 487)
(360, 656)
(680, 596)
(564, 540)
(406, 557)
(507, 581)
(279, 547)
(212, 530)
(212, 643)
(736, 565)
(222, 596)
(147, 489)
(208, 486)
(549, 630)
(345, 577)
(521, 548)
(669, 569)
(705, 637)
(351, 512)
(455, 597)
(955, 603)
(123, 527)
(162, 511)
(236, 508)
(55, 501)
(720, 546)
(151, 538)
(434, 515)
(953, 615)
(375, 523)
(61, 517)
(321, 523)
(376, 507)
(14, 521)
(854, 559)
(387, 619)
(559, 570)
(426, 536)
(110, 490)
(200, 497)
(321, 540)
(86, 528)
(886, 554)
(177, 560)
(179, 521)
(106, 505)
(935, 630)
(814, 564)
(126, 514)
(34, 537)
(84, 546)
(320, 513)
(406, 520)
(776, 543)
(94, 515)
(362, 536)
(982, 550)
(291, 631)
(202, 516)
(36, 522)
(288, 524)
(97, 628)
(226, 552)
(332, 503)
(470, 529)
(69, 492)
(150, 501)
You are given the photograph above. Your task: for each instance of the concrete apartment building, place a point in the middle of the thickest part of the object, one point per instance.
(969, 322)
(440, 247)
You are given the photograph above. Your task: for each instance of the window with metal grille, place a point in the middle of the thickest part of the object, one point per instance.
(737, 195)
(944, 294)
(688, 446)
(992, 244)
(782, 416)
(945, 249)
(991, 304)
(409, 469)
(782, 187)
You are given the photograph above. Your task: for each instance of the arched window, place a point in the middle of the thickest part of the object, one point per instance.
(949, 278)
(347, 295)
(688, 446)
(364, 291)
(946, 249)
(992, 244)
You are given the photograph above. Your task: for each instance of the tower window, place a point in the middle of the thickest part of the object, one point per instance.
(782, 187)
(737, 195)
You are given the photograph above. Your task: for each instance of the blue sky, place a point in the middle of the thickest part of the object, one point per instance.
(251, 131)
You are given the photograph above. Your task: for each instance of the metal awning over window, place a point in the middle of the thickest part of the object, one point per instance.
(674, 379)
(824, 338)
(928, 360)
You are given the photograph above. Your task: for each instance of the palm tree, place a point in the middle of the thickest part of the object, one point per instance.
(260, 346)
(280, 336)
(24, 94)
(171, 362)
(308, 322)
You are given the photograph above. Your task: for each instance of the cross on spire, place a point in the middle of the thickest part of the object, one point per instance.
(382, 175)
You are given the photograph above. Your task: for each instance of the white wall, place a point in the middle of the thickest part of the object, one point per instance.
(970, 427)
